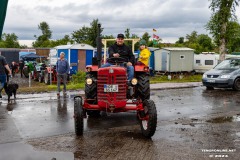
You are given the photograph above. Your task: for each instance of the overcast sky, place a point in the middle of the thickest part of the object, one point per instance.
(171, 18)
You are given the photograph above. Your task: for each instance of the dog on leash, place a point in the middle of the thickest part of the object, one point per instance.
(11, 89)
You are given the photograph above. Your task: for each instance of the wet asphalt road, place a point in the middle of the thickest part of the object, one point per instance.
(192, 124)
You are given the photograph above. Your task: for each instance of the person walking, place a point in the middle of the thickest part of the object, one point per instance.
(21, 65)
(62, 68)
(3, 74)
(119, 49)
(13, 67)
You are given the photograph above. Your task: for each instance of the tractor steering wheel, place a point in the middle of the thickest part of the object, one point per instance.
(116, 60)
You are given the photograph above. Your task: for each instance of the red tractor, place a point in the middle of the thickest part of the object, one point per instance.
(107, 89)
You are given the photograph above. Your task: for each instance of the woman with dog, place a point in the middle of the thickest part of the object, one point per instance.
(3, 74)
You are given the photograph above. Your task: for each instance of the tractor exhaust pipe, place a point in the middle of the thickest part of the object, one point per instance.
(99, 46)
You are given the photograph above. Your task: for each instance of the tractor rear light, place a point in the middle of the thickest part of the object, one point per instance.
(89, 81)
(134, 81)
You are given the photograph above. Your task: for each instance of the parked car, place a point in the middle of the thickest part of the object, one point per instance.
(225, 75)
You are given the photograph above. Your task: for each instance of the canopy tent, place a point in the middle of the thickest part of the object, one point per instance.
(3, 10)
(30, 56)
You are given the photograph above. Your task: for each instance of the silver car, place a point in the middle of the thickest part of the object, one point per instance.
(224, 75)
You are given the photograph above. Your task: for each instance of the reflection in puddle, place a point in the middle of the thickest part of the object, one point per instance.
(224, 119)
(21, 151)
(238, 134)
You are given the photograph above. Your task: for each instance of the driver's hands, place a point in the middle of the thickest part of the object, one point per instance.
(129, 64)
(116, 55)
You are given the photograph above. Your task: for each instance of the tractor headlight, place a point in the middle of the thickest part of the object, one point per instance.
(89, 81)
(134, 81)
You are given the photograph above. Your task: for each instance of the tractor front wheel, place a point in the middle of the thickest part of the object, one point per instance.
(78, 116)
(148, 120)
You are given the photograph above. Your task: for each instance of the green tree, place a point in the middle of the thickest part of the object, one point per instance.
(180, 40)
(44, 39)
(146, 37)
(205, 42)
(65, 40)
(223, 12)
(233, 37)
(9, 41)
(192, 38)
(87, 35)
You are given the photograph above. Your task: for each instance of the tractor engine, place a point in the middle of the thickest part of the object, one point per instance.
(112, 88)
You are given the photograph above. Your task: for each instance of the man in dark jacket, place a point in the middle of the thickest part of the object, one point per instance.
(119, 49)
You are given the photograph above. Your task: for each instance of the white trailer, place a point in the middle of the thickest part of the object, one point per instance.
(204, 62)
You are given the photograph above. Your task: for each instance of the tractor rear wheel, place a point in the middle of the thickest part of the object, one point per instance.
(143, 86)
(78, 116)
(149, 121)
(91, 90)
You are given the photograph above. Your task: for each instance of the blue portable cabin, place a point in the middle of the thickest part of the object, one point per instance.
(78, 56)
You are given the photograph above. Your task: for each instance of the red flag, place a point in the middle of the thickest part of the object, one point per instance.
(155, 37)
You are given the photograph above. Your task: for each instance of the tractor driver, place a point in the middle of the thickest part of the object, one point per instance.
(119, 49)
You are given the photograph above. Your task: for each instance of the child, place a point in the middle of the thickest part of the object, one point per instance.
(144, 53)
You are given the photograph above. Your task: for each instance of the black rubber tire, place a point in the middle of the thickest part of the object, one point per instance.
(78, 116)
(148, 127)
(91, 90)
(209, 88)
(143, 86)
(236, 85)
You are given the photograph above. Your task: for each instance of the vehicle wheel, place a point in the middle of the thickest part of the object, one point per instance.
(91, 90)
(78, 116)
(149, 122)
(236, 85)
(209, 88)
(47, 78)
(143, 86)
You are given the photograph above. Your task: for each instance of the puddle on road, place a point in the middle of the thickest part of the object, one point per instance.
(21, 151)
(173, 132)
(225, 119)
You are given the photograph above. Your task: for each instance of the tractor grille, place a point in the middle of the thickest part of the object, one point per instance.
(119, 79)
